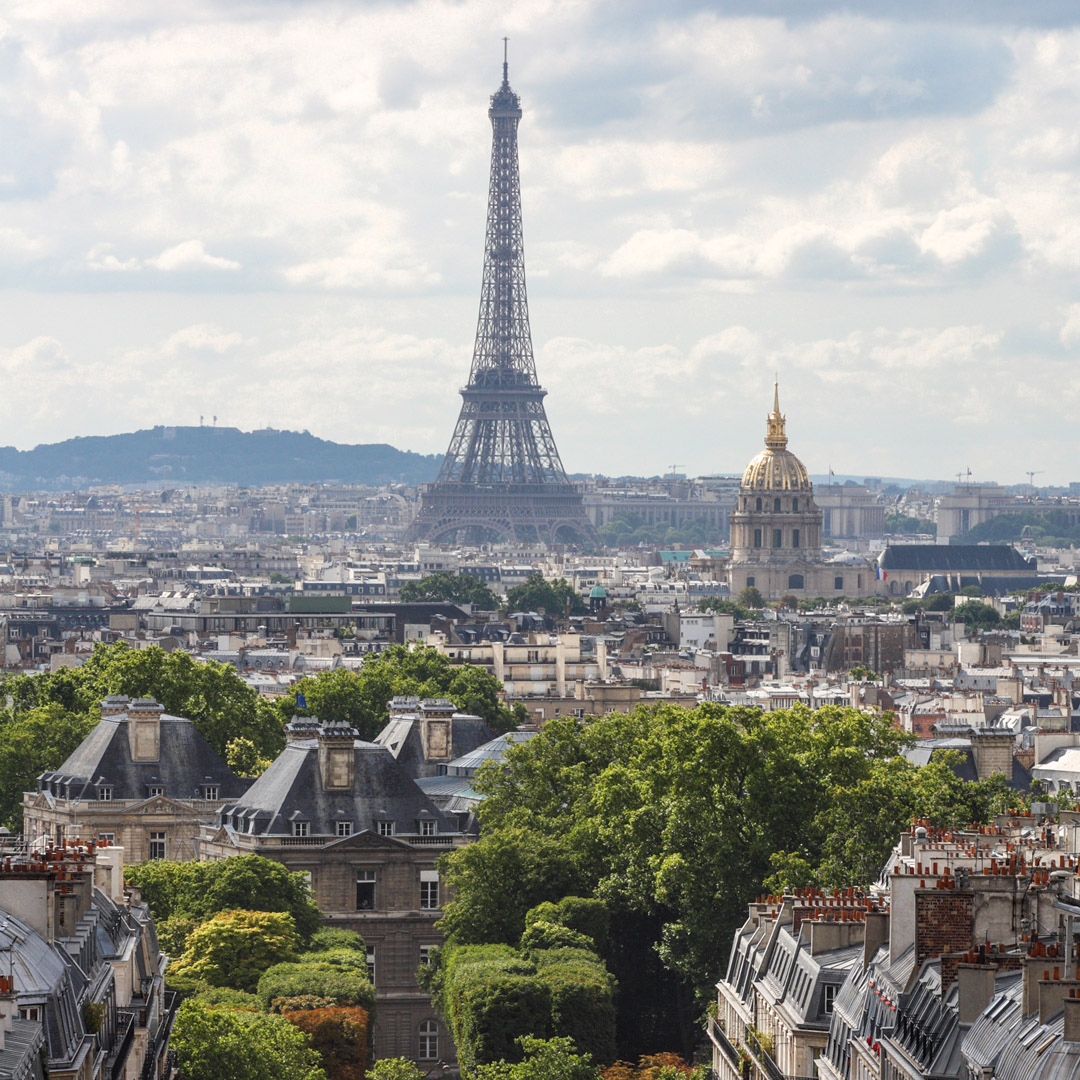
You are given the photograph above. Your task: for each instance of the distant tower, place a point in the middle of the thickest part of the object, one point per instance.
(502, 476)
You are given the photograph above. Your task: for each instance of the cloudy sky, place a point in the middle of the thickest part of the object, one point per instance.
(273, 212)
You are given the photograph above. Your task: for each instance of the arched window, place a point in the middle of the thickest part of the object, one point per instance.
(776, 506)
(838, 583)
(759, 504)
(427, 1048)
(795, 581)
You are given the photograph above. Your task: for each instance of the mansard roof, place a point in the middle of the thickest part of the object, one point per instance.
(954, 558)
(291, 790)
(187, 764)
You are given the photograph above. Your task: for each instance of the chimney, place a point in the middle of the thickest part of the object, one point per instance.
(993, 753)
(876, 934)
(300, 729)
(337, 757)
(943, 922)
(114, 705)
(1053, 992)
(826, 935)
(1033, 967)
(144, 729)
(436, 729)
(9, 1007)
(975, 990)
(1072, 1018)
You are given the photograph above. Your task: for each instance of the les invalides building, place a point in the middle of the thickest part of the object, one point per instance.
(776, 529)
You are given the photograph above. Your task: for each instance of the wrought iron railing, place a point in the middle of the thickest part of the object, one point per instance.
(123, 1049)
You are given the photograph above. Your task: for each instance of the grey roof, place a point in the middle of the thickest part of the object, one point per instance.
(996, 1025)
(954, 558)
(402, 737)
(493, 750)
(291, 790)
(187, 763)
(19, 1058)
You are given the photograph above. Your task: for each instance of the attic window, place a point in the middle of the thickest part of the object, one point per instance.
(300, 828)
(104, 794)
(155, 790)
(385, 828)
(344, 828)
(828, 995)
(210, 792)
(427, 828)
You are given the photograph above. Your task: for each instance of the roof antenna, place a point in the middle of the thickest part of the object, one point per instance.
(506, 64)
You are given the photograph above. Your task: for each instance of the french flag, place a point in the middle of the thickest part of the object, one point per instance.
(881, 575)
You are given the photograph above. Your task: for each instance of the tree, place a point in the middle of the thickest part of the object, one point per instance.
(723, 607)
(751, 597)
(395, 1069)
(362, 698)
(314, 976)
(214, 1043)
(339, 1034)
(451, 589)
(32, 743)
(555, 598)
(976, 614)
(234, 948)
(542, 1059)
(198, 890)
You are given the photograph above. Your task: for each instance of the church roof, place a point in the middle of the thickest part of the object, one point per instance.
(954, 558)
(776, 468)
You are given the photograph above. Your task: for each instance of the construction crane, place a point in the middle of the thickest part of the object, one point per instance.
(1031, 474)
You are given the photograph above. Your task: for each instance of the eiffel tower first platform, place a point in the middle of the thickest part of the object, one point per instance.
(502, 477)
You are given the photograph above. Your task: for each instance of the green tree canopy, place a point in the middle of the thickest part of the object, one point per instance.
(751, 597)
(555, 598)
(674, 819)
(976, 614)
(214, 1043)
(362, 698)
(542, 1059)
(452, 589)
(234, 948)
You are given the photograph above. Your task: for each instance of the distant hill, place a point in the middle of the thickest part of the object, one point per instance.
(225, 455)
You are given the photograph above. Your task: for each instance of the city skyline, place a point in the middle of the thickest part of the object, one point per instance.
(269, 213)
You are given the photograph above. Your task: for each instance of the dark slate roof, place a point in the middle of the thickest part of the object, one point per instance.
(954, 558)
(291, 790)
(187, 763)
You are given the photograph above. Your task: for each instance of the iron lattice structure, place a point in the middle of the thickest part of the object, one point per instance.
(502, 475)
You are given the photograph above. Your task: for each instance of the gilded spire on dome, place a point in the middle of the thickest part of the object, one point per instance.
(775, 433)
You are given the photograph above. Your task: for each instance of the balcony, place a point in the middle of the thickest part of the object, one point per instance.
(123, 1047)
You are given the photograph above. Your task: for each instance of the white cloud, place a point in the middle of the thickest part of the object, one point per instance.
(190, 255)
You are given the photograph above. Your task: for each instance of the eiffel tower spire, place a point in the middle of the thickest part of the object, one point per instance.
(502, 475)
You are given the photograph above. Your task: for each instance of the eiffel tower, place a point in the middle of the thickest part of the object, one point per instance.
(502, 477)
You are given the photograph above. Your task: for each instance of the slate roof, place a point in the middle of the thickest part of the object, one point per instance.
(954, 558)
(291, 790)
(187, 764)
(401, 737)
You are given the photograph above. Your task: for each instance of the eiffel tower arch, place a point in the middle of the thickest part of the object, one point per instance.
(502, 477)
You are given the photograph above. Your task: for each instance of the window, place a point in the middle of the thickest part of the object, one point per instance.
(828, 995)
(777, 538)
(427, 828)
(838, 583)
(365, 890)
(106, 837)
(795, 505)
(104, 794)
(371, 963)
(425, 953)
(210, 793)
(776, 506)
(157, 845)
(429, 889)
(757, 538)
(30, 1012)
(795, 581)
(299, 828)
(156, 790)
(750, 581)
(759, 504)
(794, 537)
(386, 828)
(428, 1046)
(344, 828)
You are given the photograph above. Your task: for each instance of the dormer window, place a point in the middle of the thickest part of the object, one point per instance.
(344, 828)
(427, 828)
(385, 828)
(210, 792)
(300, 828)
(155, 790)
(104, 794)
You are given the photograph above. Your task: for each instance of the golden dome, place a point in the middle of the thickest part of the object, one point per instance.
(776, 468)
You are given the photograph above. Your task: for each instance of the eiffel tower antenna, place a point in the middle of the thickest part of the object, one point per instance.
(502, 476)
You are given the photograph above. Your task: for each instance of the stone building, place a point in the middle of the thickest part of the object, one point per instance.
(776, 529)
(142, 779)
(350, 816)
